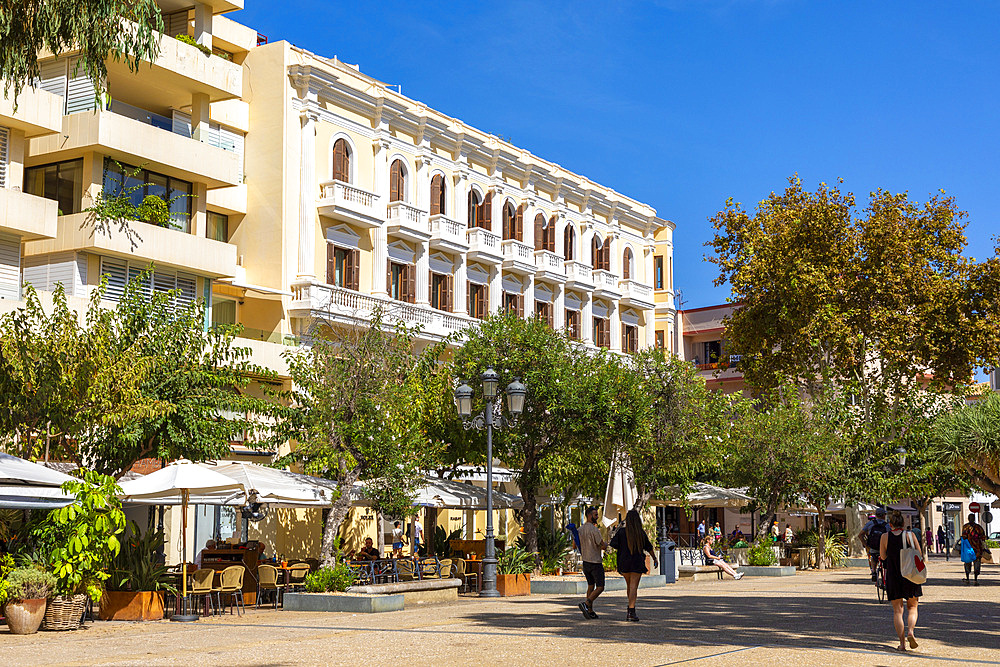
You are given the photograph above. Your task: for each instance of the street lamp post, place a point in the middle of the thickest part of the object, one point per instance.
(484, 420)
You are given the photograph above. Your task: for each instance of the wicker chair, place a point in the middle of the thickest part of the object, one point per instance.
(297, 576)
(445, 570)
(406, 570)
(430, 568)
(232, 585)
(267, 580)
(201, 586)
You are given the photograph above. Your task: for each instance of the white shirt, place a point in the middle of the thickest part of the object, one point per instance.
(397, 535)
(420, 531)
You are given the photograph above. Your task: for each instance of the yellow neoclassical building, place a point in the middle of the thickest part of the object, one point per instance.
(303, 190)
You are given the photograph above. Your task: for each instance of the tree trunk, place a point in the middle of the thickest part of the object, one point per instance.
(764, 529)
(379, 533)
(530, 516)
(921, 504)
(821, 537)
(338, 512)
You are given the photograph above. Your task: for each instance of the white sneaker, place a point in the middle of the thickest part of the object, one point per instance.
(739, 575)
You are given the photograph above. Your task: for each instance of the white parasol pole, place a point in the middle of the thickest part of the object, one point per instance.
(185, 496)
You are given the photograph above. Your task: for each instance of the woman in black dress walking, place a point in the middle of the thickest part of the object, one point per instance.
(632, 545)
(902, 593)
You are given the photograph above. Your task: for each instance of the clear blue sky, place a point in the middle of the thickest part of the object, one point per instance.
(684, 103)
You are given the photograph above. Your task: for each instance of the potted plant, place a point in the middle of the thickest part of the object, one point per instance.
(77, 542)
(134, 590)
(26, 591)
(514, 571)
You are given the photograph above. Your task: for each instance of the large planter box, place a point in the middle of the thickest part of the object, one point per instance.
(737, 556)
(132, 606)
(509, 585)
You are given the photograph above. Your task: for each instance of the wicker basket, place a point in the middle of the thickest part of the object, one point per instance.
(65, 612)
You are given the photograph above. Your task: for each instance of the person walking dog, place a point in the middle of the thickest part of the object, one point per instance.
(632, 545)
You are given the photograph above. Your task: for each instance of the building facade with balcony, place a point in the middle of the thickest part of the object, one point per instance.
(702, 342)
(175, 129)
(360, 198)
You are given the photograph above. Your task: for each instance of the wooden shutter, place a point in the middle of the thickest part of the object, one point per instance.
(331, 264)
(410, 275)
(395, 178)
(449, 293)
(473, 222)
(487, 212)
(624, 339)
(627, 264)
(437, 201)
(469, 307)
(4, 134)
(568, 242)
(519, 222)
(340, 170)
(353, 270)
(520, 306)
(550, 236)
(539, 232)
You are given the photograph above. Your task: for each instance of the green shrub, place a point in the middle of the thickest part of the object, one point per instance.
(836, 549)
(30, 583)
(610, 561)
(327, 579)
(761, 554)
(515, 560)
(553, 548)
(992, 544)
(154, 211)
(6, 565)
(136, 568)
(190, 40)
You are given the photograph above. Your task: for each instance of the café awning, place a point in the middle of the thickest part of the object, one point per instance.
(449, 494)
(27, 486)
(705, 495)
(274, 487)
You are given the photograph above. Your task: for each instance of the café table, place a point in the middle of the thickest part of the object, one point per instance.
(477, 565)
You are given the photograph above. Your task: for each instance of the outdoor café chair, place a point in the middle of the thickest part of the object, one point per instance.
(313, 564)
(267, 580)
(460, 573)
(430, 568)
(297, 575)
(406, 570)
(384, 571)
(362, 572)
(445, 568)
(201, 586)
(232, 585)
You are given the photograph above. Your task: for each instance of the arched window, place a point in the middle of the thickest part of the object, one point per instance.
(600, 253)
(627, 269)
(397, 181)
(480, 210)
(569, 242)
(545, 233)
(513, 221)
(437, 195)
(341, 161)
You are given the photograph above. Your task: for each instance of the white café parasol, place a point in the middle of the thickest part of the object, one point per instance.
(621, 494)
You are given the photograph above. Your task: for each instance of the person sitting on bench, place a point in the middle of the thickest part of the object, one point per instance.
(712, 558)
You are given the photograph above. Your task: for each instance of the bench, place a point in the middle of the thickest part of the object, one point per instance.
(699, 572)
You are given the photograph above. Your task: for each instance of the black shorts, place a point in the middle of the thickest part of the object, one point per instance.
(594, 573)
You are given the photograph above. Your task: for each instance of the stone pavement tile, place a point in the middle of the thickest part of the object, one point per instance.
(814, 618)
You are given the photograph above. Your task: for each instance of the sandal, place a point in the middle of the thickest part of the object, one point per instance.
(912, 640)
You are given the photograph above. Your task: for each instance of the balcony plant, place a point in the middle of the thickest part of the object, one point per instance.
(135, 589)
(514, 571)
(190, 40)
(27, 589)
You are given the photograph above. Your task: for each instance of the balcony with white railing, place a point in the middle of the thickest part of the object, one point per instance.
(337, 304)
(578, 275)
(407, 222)
(484, 246)
(606, 284)
(636, 294)
(448, 235)
(345, 202)
(518, 257)
(549, 266)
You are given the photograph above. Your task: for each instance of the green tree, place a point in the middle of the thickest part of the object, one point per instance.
(354, 413)
(687, 424)
(968, 439)
(100, 29)
(576, 401)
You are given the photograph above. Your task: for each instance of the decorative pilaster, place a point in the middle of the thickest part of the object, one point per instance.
(496, 289)
(307, 196)
(559, 307)
(459, 294)
(587, 317)
(615, 318)
(529, 296)
(380, 238)
(423, 273)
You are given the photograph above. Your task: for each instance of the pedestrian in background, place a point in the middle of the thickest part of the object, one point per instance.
(940, 539)
(902, 593)
(592, 547)
(929, 539)
(974, 534)
(632, 545)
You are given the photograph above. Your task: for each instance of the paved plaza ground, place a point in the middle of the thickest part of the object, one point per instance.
(813, 618)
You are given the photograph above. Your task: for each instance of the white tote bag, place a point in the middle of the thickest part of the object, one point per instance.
(911, 561)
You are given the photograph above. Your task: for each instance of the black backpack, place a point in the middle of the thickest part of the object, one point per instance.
(878, 529)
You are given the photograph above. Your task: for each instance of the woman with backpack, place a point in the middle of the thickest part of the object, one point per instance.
(902, 593)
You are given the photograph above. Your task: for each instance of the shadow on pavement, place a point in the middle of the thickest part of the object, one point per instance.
(757, 619)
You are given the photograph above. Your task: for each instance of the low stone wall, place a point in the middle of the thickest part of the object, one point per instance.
(355, 604)
(579, 586)
(768, 571)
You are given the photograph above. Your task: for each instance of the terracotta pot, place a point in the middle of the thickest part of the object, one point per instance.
(24, 616)
(132, 606)
(510, 585)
